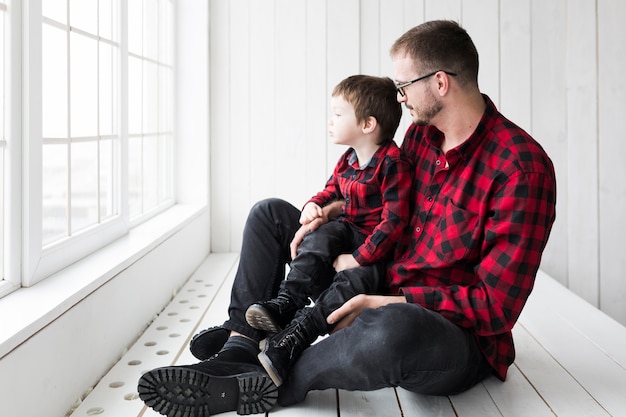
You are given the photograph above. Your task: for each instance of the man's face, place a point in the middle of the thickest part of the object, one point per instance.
(420, 97)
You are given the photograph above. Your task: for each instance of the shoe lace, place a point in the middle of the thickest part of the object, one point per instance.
(291, 340)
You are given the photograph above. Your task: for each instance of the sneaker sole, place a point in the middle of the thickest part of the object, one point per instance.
(266, 363)
(259, 318)
(184, 392)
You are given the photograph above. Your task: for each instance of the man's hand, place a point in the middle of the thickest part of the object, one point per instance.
(345, 261)
(345, 315)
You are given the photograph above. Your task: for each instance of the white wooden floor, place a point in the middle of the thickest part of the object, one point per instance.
(571, 361)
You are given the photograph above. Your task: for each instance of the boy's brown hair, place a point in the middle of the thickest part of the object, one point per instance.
(372, 96)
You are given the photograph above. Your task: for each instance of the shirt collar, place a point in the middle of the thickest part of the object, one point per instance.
(467, 148)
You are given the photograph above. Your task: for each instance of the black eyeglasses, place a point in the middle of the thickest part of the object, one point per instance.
(400, 87)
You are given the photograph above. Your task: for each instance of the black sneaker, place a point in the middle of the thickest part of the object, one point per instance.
(207, 388)
(208, 342)
(273, 315)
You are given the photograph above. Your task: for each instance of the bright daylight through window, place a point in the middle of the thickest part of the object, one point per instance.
(98, 143)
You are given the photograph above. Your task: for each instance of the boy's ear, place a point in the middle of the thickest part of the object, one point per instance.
(369, 124)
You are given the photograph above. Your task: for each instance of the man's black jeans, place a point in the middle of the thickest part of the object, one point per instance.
(399, 345)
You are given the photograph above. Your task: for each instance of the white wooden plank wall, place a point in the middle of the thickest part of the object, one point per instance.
(555, 67)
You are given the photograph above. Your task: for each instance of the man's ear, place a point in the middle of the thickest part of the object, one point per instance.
(369, 125)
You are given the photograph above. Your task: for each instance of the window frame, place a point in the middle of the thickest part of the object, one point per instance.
(12, 204)
(41, 261)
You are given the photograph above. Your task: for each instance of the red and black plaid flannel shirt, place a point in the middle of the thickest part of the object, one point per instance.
(377, 199)
(483, 214)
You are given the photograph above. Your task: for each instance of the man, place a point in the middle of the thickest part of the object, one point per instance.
(484, 204)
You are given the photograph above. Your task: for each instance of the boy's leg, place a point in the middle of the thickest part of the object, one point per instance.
(282, 350)
(401, 345)
(312, 270)
(267, 233)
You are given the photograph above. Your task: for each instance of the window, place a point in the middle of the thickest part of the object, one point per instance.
(3, 143)
(150, 75)
(98, 114)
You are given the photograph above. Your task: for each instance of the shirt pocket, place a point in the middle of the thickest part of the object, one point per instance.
(459, 235)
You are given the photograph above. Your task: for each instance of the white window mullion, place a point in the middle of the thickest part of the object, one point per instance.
(123, 113)
(32, 137)
(12, 219)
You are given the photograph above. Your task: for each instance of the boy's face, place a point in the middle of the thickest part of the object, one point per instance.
(343, 127)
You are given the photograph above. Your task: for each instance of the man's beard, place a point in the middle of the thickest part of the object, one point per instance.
(427, 111)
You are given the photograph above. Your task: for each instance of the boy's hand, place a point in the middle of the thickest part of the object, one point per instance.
(310, 212)
(345, 261)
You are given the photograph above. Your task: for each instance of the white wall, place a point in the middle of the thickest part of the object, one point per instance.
(81, 321)
(555, 67)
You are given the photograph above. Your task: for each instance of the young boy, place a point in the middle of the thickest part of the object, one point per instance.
(374, 180)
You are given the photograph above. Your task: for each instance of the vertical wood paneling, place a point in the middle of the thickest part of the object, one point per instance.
(443, 9)
(240, 133)
(549, 114)
(515, 62)
(582, 150)
(220, 125)
(612, 171)
(343, 33)
(290, 115)
(316, 102)
(262, 101)
(482, 21)
(555, 68)
(370, 14)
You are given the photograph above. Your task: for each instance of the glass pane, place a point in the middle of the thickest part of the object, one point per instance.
(166, 52)
(134, 176)
(54, 82)
(107, 180)
(106, 20)
(107, 88)
(54, 187)
(134, 95)
(84, 15)
(150, 172)
(84, 85)
(165, 163)
(151, 30)
(165, 100)
(84, 202)
(135, 27)
(55, 9)
(150, 98)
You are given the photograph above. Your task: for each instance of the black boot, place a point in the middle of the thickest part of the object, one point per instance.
(283, 349)
(273, 315)
(208, 388)
(208, 342)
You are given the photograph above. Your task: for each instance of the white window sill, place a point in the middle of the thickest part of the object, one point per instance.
(28, 310)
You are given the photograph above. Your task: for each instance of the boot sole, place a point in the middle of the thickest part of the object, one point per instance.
(266, 362)
(259, 318)
(184, 392)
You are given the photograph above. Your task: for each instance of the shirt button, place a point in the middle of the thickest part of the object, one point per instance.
(418, 229)
(430, 198)
(438, 162)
